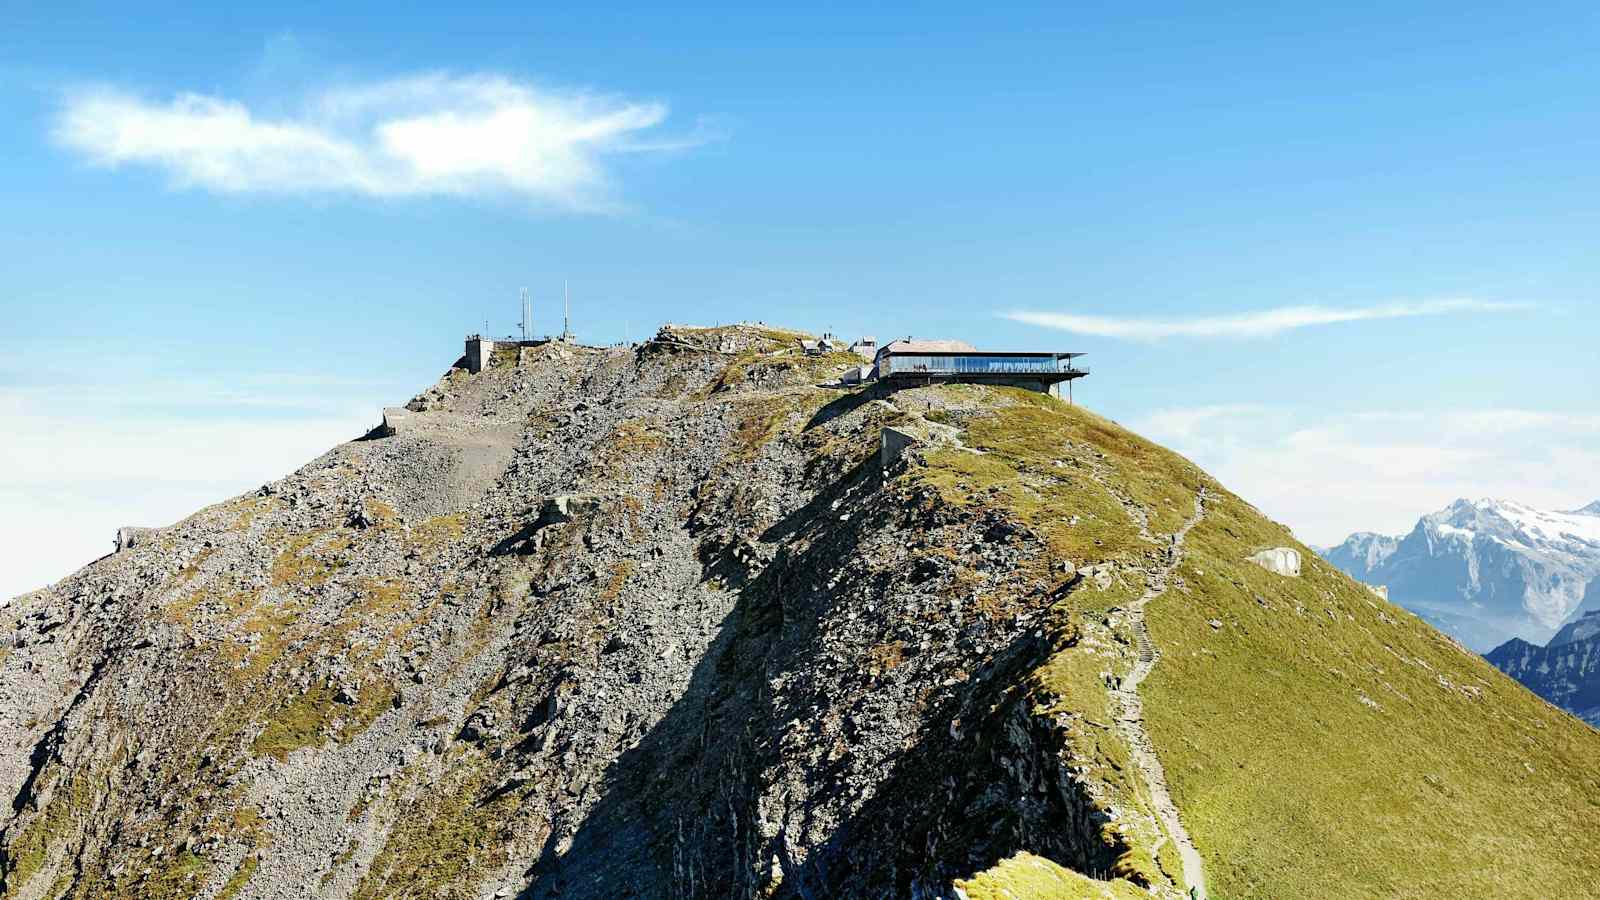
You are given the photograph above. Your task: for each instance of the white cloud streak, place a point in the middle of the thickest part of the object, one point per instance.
(1263, 324)
(427, 135)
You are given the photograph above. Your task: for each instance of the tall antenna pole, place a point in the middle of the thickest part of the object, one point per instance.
(526, 314)
(566, 311)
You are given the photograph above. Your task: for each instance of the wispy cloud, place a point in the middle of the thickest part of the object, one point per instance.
(431, 134)
(1266, 323)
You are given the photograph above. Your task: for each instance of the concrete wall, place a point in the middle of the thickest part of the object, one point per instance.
(893, 444)
(479, 352)
(394, 419)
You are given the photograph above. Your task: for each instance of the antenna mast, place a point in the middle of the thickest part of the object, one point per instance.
(527, 314)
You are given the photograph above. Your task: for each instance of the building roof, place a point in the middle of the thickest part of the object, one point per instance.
(908, 345)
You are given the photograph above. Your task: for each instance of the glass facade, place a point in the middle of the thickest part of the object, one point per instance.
(972, 364)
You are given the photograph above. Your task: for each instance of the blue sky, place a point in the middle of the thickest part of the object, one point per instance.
(231, 235)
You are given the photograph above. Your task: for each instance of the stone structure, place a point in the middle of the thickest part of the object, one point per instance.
(865, 347)
(394, 420)
(825, 344)
(1280, 560)
(480, 350)
(129, 536)
(895, 440)
(856, 375)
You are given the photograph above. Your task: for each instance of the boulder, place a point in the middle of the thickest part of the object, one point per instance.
(567, 507)
(1279, 560)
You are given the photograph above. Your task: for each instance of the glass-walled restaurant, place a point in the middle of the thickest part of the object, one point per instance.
(975, 364)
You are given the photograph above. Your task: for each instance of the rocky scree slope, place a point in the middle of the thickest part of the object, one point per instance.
(660, 623)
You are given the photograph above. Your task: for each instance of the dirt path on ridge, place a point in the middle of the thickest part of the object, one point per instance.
(1130, 708)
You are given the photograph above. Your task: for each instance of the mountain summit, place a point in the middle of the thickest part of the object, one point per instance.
(1487, 570)
(694, 619)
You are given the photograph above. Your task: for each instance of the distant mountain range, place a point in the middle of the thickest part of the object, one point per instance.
(1520, 585)
(1566, 671)
(1486, 571)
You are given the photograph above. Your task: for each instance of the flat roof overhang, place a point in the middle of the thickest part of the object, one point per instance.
(997, 377)
(1030, 355)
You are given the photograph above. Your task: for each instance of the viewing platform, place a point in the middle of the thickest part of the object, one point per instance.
(908, 363)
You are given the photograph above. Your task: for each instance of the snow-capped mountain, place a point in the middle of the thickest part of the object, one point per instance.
(1486, 570)
(1362, 551)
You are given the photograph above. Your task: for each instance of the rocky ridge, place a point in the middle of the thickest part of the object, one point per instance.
(665, 622)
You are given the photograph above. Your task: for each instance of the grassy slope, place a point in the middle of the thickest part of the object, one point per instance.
(1456, 783)
(1031, 877)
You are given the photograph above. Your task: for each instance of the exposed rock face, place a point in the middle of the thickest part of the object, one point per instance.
(1363, 551)
(1487, 570)
(637, 642)
(1565, 671)
(895, 440)
(659, 623)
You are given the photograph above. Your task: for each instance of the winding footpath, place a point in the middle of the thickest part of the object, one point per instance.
(1130, 708)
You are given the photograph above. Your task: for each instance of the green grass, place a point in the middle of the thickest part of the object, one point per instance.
(1457, 783)
(1040, 458)
(309, 559)
(444, 837)
(240, 877)
(1028, 877)
(311, 718)
(180, 877)
(434, 534)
